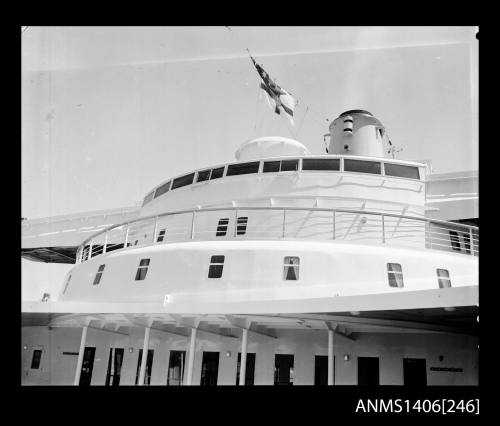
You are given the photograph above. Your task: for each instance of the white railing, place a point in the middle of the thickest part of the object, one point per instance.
(284, 223)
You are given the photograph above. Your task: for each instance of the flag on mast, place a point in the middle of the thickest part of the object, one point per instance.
(276, 96)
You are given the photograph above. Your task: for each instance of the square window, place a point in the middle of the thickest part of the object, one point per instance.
(98, 275)
(215, 271)
(291, 268)
(216, 266)
(443, 278)
(142, 270)
(395, 275)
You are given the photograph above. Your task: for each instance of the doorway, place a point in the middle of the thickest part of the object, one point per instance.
(115, 362)
(149, 367)
(209, 369)
(368, 371)
(414, 372)
(87, 366)
(176, 364)
(250, 369)
(283, 370)
(321, 370)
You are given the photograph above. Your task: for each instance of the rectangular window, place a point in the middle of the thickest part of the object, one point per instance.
(360, 166)
(142, 270)
(289, 165)
(271, 166)
(98, 276)
(395, 275)
(209, 369)
(183, 181)
(148, 198)
(242, 168)
(203, 175)
(291, 268)
(455, 241)
(37, 356)
(443, 278)
(241, 227)
(176, 368)
(321, 164)
(283, 370)
(222, 227)
(162, 189)
(400, 170)
(217, 173)
(216, 266)
(161, 235)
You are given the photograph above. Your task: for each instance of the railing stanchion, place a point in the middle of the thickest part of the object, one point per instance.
(334, 224)
(90, 248)
(235, 222)
(126, 236)
(284, 221)
(471, 236)
(105, 242)
(192, 225)
(155, 229)
(430, 233)
(383, 230)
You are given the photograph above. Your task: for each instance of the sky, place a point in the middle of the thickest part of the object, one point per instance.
(110, 112)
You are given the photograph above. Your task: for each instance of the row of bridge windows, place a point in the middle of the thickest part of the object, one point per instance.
(275, 166)
(291, 270)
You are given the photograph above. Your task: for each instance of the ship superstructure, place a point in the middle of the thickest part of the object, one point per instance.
(282, 267)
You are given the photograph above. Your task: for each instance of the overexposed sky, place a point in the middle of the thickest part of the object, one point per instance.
(109, 112)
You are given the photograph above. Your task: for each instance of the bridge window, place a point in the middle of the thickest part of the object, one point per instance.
(291, 268)
(217, 173)
(321, 164)
(289, 165)
(222, 227)
(162, 189)
(241, 227)
(216, 266)
(271, 166)
(400, 170)
(203, 175)
(142, 270)
(161, 236)
(183, 181)
(443, 278)
(98, 276)
(395, 275)
(242, 168)
(148, 198)
(360, 166)
(455, 241)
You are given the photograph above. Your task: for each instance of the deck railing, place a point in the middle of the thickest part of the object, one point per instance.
(284, 223)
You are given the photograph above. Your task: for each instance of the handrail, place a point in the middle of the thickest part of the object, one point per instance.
(430, 234)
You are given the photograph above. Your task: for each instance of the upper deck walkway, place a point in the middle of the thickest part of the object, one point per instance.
(275, 223)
